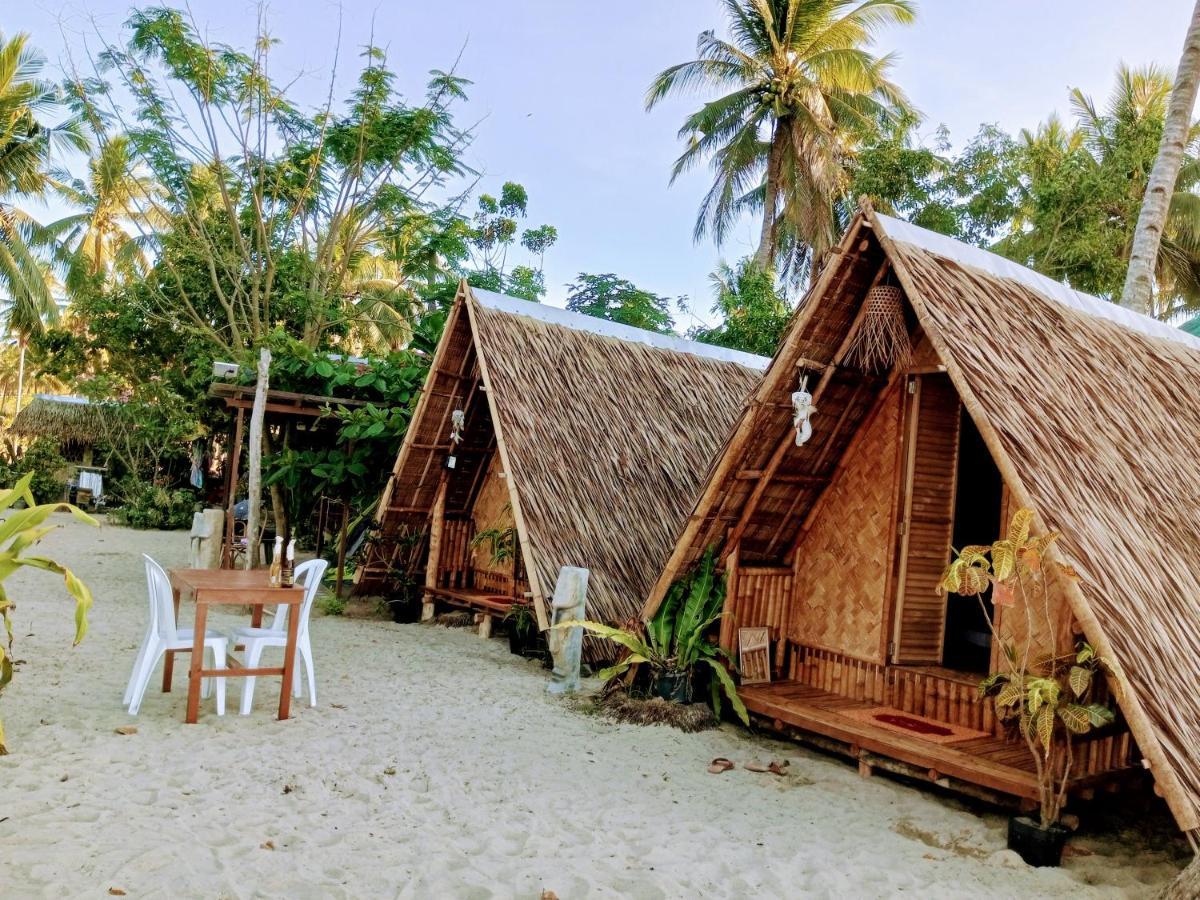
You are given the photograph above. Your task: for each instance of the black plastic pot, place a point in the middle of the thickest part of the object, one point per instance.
(673, 686)
(1036, 845)
(526, 642)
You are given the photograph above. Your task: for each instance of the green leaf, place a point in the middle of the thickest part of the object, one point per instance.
(1099, 714)
(1045, 726)
(1076, 718)
(730, 690)
(1079, 679)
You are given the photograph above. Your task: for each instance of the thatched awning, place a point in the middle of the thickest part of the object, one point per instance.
(1085, 408)
(61, 418)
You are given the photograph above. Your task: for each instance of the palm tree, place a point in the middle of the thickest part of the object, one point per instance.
(1157, 204)
(803, 90)
(25, 144)
(119, 213)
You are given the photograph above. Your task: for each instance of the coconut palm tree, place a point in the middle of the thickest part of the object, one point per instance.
(119, 212)
(803, 89)
(1158, 203)
(25, 314)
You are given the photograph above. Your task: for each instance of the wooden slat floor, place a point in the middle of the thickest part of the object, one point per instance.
(990, 762)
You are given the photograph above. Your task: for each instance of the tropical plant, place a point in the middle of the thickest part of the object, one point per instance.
(21, 530)
(677, 640)
(500, 539)
(144, 505)
(754, 315)
(44, 468)
(803, 93)
(118, 214)
(1044, 695)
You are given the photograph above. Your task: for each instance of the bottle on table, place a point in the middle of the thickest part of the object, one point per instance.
(277, 563)
(289, 564)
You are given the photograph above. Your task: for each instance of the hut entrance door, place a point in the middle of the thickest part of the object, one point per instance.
(930, 474)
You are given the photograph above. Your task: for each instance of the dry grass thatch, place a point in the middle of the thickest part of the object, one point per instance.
(622, 707)
(1088, 413)
(64, 419)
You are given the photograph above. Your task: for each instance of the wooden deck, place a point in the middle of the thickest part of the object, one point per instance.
(991, 763)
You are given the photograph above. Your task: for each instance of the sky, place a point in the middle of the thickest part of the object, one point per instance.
(559, 85)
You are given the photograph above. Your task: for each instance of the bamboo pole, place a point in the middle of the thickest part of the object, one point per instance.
(257, 413)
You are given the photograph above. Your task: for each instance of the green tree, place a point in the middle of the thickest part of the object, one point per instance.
(754, 316)
(494, 229)
(803, 93)
(619, 300)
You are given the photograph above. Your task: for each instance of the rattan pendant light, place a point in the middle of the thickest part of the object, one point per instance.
(882, 337)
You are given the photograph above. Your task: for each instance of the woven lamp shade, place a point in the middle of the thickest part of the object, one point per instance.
(882, 337)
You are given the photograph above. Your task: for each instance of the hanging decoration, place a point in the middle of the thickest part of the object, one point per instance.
(881, 340)
(458, 421)
(802, 412)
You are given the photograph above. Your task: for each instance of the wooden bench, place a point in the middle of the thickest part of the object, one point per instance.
(486, 603)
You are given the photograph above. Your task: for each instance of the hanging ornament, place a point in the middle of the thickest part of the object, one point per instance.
(882, 338)
(458, 421)
(802, 412)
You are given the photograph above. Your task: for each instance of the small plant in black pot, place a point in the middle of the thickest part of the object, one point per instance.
(1044, 698)
(524, 638)
(676, 644)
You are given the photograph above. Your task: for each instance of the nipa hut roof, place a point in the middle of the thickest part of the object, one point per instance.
(605, 433)
(61, 418)
(1086, 409)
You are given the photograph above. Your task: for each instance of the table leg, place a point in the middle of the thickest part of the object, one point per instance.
(289, 662)
(193, 701)
(256, 613)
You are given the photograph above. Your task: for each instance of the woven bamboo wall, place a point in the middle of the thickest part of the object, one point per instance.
(841, 559)
(454, 560)
(492, 510)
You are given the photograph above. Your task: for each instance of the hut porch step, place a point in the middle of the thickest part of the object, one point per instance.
(486, 601)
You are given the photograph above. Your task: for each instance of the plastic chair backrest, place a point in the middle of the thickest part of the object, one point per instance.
(162, 604)
(308, 576)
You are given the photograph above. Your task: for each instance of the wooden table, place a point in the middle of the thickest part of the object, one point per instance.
(232, 587)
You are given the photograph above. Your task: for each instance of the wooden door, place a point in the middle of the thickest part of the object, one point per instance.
(931, 464)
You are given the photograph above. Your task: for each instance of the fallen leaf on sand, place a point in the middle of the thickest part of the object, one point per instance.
(125, 729)
(390, 770)
(116, 892)
(338, 705)
(1072, 850)
(549, 895)
(267, 845)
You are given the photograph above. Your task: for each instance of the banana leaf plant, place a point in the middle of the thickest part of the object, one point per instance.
(21, 530)
(676, 640)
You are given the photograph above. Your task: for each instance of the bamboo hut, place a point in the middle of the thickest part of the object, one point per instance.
(949, 385)
(546, 438)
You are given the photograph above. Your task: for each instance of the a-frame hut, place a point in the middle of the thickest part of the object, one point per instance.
(561, 439)
(1017, 392)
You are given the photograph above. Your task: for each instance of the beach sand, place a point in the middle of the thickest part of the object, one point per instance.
(435, 766)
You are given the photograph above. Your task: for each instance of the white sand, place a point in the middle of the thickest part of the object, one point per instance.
(435, 766)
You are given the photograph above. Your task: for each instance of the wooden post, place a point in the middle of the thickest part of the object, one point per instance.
(436, 524)
(257, 413)
(234, 457)
(341, 559)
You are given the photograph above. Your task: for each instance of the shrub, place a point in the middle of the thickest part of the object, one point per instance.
(47, 466)
(151, 506)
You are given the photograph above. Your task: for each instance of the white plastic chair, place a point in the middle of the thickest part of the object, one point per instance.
(308, 576)
(162, 635)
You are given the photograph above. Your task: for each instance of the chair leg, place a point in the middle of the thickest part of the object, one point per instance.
(254, 651)
(137, 666)
(219, 663)
(305, 649)
(153, 654)
(206, 684)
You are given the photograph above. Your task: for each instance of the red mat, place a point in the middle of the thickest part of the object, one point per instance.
(913, 725)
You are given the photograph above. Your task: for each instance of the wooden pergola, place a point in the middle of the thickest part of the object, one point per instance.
(284, 407)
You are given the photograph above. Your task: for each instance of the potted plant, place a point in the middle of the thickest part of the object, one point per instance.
(676, 643)
(1045, 698)
(524, 638)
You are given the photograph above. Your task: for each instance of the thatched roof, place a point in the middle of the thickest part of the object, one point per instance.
(1086, 410)
(605, 433)
(61, 418)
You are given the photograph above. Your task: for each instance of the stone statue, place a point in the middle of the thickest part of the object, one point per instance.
(566, 644)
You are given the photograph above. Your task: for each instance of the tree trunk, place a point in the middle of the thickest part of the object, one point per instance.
(1186, 886)
(764, 257)
(283, 523)
(20, 377)
(257, 412)
(1139, 279)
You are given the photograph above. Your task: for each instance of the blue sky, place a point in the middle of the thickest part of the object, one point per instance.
(559, 85)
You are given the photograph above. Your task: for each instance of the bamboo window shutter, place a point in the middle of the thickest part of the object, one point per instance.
(754, 655)
(930, 471)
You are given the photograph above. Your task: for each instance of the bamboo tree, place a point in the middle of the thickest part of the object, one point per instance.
(1177, 133)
